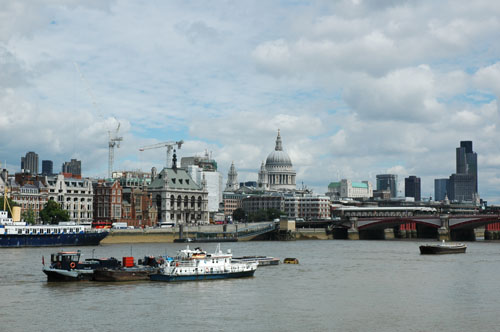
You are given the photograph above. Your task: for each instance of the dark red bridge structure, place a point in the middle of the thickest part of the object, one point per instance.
(422, 222)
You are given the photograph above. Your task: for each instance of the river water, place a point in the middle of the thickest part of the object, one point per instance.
(338, 286)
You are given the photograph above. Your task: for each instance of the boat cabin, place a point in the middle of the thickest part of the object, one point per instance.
(68, 260)
(65, 259)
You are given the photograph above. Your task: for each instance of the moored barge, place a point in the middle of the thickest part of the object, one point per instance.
(443, 248)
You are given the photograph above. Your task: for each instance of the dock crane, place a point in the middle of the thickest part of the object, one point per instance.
(169, 145)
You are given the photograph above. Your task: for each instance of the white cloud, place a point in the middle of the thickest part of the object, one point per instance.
(356, 87)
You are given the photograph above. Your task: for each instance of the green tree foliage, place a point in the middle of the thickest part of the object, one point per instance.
(52, 213)
(265, 215)
(28, 216)
(238, 214)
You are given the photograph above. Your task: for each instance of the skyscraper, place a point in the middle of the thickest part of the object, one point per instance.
(467, 161)
(412, 187)
(73, 167)
(462, 185)
(29, 164)
(47, 167)
(388, 182)
(440, 189)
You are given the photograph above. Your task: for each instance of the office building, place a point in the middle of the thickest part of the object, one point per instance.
(412, 187)
(29, 163)
(47, 167)
(440, 189)
(348, 189)
(73, 167)
(462, 185)
(388, 182)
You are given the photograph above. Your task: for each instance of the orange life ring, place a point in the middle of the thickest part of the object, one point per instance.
(72, 265)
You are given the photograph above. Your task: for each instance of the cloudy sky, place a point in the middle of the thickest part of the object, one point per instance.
(357, 88)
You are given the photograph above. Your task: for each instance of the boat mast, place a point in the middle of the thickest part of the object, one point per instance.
(5, 201)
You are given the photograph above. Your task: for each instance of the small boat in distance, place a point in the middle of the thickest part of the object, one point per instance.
(262, 260)
(443, 248)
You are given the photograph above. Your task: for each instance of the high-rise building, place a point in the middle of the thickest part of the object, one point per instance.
(388, 182)
(73, 167)
(412, 187)
(440, 189)
(29, 164)
(47, 167)
(462, 185)
(467, 161)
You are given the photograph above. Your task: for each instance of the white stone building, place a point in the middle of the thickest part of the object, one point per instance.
(348, 189)
(74, 195)
(214, 185)
(179, 199)
(232, 179)
(277, 173)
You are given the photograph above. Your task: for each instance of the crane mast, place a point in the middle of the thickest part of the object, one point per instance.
(169, 145)
(114, 140)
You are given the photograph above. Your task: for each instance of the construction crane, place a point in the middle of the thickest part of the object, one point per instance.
(114, 140)
(169, 145)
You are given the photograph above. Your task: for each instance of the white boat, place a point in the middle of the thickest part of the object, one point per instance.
(197, 264)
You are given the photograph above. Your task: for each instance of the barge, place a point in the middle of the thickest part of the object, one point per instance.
(443, 248)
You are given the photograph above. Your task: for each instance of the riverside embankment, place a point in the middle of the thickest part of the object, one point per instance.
(245, 232)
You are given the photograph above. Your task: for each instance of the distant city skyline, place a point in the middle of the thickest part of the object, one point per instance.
(357, 88)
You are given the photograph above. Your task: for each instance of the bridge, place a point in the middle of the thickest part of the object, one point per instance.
(390, 222)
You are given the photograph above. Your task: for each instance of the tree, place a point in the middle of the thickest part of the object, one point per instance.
(274, 214)
(265, 215)
(28, 216)
(52, 213)
(238, 214)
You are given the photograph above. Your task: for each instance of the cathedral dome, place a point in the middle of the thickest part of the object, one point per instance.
(277, 173)
(278, 157)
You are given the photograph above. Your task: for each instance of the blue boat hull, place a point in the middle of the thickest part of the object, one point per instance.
(51, 240)
(163, 277)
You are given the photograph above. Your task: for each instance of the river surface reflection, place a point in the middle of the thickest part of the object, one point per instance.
(338, 286)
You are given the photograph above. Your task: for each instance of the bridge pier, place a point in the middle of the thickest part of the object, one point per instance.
(443, 234)
(389, 234)
(444, 230)
(491, 235)
(353, 232)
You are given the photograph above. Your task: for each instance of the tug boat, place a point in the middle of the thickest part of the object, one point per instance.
(443, 248)
(190, 265)
(66, 266)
